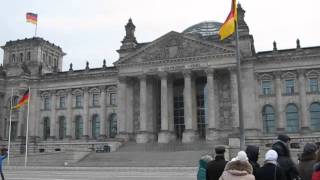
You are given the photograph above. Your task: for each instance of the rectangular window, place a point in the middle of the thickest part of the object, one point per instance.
(313, 85)
(266, 87)
(62, 102)
(95, 99)
(29, 56)
(13, 57)
(21, 57)
(46, 103)
(113, 99)
(289, 86)
(78, 101)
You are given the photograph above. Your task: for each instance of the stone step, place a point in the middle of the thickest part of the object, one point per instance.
(143, 159)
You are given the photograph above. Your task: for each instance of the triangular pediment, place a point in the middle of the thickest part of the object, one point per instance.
(174, 45)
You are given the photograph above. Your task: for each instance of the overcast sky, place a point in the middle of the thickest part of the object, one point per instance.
(92, 29)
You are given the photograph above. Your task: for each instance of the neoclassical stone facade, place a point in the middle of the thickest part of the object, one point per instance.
(179, 87)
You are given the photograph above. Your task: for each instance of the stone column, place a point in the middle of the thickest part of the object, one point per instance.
(164, 134)
(190, 111)
(303, 101)
(129, 107)
(53, 120)
(20, 128)
(103, 113)
(235, 100)
(142, 137)
(86, 118)
(279, 108)
(171, 109)
(121, 101)
(33, 116)
(213, 123)
(69, 132)
(2, 119)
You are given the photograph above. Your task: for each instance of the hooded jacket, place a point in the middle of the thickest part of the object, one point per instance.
(237, 170)
(284, 160)
(253, 155)
(270, 171)
(305, 167)
(201, 175)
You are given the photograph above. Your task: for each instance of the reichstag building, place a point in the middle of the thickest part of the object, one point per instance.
(181, 87)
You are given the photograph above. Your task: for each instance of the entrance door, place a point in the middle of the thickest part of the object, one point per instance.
(46, 128)
(78, 127)
(14, 128)
(113, 125)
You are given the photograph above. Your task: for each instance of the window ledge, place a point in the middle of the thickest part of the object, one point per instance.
(313, 92)
(61, 108)
(267, 95)
(79, 107)
(96, 106)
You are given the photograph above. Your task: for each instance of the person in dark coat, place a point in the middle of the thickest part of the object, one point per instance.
(3, 156)
(284, 158)
(253, 156)
(307, 161)
(216, 167)
(270, 170)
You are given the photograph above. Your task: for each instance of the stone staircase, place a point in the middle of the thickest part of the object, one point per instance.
(48, 159)
(150, 155)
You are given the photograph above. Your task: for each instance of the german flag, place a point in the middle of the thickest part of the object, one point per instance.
(229, 25)
(23, 100)
(32, 18)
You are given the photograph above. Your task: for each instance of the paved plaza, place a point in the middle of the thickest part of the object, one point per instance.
(96, 173)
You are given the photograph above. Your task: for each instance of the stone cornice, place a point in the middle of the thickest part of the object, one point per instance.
(77, 76)
(285, 57)
(177, 60)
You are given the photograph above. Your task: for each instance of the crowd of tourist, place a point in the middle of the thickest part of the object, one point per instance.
(277, 165)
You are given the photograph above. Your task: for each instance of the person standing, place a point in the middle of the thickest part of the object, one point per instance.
(307, 161)
(216, 167)
(3, 156)
(202, 171)
(253, 156)
(284, 158)
(270, 170)
(316, 168)
(238, 168)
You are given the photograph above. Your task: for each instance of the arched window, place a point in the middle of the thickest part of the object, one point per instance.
(269, 119)
(292, 118)
(95, 126)
(78, 127)
(46, 128)
(113, 125)
(62, 127)
(315, 116)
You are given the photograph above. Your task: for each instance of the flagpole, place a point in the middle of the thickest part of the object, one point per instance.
(10, 120)
(241, 124)
(35, 33)
(27, 132)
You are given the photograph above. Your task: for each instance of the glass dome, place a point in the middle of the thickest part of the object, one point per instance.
(206, 28)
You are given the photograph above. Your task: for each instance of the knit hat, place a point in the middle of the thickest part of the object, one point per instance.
(271, 155)
(242, 156)
(284, 138)
(309, 148)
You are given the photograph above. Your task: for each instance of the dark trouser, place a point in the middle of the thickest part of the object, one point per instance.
(2, 177)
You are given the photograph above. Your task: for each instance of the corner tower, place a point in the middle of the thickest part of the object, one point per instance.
(32, 56)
